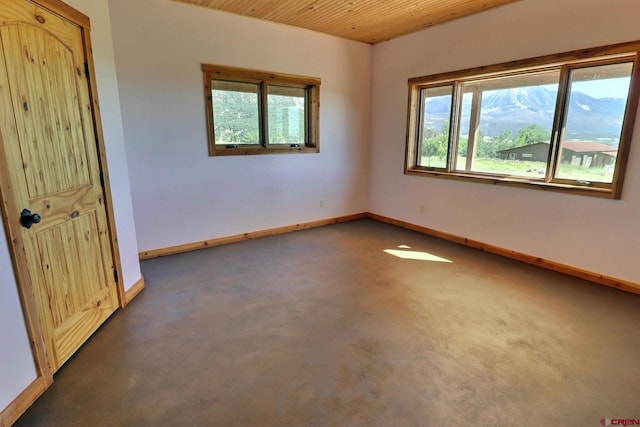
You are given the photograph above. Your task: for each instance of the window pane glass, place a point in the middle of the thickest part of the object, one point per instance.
(505, 124)
(596, 107)
(434, 135)
(287, 115)
(463, 135)
(235, 112)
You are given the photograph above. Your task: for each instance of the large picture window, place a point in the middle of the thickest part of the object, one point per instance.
(562, 122)
(256, 112)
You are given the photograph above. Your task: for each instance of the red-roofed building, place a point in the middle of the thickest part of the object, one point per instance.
(581, 153)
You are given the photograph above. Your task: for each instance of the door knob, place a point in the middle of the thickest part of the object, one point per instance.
(27, 219)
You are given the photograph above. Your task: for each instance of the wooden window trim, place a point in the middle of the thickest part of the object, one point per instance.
(629, 51)
(263, 79)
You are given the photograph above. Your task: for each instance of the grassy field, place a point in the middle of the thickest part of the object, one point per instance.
(528, 169)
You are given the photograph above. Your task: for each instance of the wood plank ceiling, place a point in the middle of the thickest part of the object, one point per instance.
(369, 21)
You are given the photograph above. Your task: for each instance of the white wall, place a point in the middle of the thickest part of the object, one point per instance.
(17, 369)
(585, 232)
(180, 194)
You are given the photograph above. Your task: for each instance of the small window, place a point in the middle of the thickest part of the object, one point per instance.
(256, 112)
(562, 122)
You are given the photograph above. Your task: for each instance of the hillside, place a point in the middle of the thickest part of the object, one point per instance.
(597, 119)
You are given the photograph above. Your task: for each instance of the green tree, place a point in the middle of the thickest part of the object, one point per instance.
(463, 143)
(488, 148)
(435, 143)
(531, 134)
(235, 117)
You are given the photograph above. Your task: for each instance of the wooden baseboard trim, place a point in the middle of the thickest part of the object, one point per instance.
(602, 279)
(20, 404)
(245, 236)
(519, 256)
(33, 391)
(133, 291)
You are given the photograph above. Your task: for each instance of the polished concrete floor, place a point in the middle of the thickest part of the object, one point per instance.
(324, 328)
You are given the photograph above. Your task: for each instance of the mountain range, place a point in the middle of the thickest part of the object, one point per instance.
(590, 119)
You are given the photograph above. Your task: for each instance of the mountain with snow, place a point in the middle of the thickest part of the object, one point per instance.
(512, 109)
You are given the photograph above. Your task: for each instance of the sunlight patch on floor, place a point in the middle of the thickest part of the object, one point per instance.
(403, 253)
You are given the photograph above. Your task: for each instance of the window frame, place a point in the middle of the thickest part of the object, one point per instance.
(564, 62)
(263, 79)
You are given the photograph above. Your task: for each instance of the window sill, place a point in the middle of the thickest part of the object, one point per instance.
(247, 151)
(518, 182)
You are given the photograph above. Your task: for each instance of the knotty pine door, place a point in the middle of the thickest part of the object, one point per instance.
(50, 167)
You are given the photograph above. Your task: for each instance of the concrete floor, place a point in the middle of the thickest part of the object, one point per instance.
(323, 328)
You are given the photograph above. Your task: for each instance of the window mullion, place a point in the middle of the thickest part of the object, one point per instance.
(264, 115)
(307, 118)
(454, 126)
(419, 126)
(557, 130)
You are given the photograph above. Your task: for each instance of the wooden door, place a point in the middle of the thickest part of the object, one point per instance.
(50, 166)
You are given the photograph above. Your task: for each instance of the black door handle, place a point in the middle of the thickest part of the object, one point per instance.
(27, 219)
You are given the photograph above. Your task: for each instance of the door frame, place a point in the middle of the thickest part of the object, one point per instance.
(10, 212)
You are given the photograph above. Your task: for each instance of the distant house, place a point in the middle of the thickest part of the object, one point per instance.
(580, 153)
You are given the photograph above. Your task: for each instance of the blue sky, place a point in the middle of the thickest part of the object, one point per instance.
(609, 88)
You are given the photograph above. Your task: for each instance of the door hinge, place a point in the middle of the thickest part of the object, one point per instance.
(115, 275)
(86, 69)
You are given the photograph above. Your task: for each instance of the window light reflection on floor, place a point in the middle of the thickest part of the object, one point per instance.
(403, 253)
